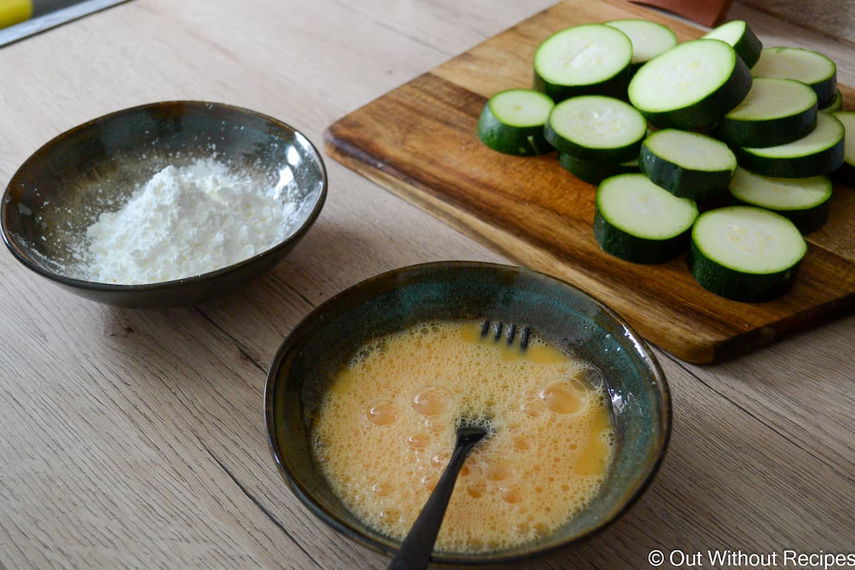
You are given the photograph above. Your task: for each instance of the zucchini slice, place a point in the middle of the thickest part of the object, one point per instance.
(801, 64)
(689, 165)
(846, 172)
(745, 253)
(836, 103)
(692, 85)
(739, 35)
(638, 221)
(583, 60)
(594, 127)
(595, 171)
(649, 39)
(820, 152)
(803, 201)
(775, 112)
(512, 122)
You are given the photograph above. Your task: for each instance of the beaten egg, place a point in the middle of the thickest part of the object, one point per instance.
(386, 430)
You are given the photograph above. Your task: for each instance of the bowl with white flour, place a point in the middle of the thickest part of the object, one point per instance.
(165, 204)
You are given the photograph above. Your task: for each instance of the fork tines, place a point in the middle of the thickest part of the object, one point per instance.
(510, 332)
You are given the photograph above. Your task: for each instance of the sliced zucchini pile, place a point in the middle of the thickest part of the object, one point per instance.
(689, 165)
(836, 103)
(649, 39)
(803, 201)
(774, 112)
(594, 127)
(846, 172)
(745, 253)
(808, 66)
(595, 171)
(741, 38)
(638, 221)
(690, 86)
(819, 152)
(583, 60)
(512, 122)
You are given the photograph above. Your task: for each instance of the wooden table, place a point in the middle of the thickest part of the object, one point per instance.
(136, 439)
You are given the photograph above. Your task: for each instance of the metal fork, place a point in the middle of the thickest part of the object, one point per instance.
(417, 547)
(498, 329)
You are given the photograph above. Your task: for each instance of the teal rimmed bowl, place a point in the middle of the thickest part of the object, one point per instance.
(563, 315)
(67, 183)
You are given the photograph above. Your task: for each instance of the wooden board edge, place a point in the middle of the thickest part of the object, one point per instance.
(787, 327)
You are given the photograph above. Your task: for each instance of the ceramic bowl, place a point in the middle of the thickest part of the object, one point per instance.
(563, 315)
(63, 187)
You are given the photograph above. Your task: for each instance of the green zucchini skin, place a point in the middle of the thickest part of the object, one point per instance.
(615, 87)
(709, 109)
(736, 285)
(699, 185)
(613, 155)
(746, 189)
(825, 91)
(772, 132)
(748, 47)
(579, 150)
(593, 171)
(519, 141)
(823, 162)
(636, 62)
(807, 220)
(756, 134)
(808, 163)
(846, 173)
(836, 103)
(628, 247)
(825, 88)
(612, 76)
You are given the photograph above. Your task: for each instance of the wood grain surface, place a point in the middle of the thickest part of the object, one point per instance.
(827, 17)
(135, 439)
(419, 141)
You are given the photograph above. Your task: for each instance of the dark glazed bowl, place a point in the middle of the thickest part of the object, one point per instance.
(63, 187)
(562, 314)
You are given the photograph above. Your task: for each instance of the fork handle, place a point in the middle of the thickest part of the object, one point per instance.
(415, 551)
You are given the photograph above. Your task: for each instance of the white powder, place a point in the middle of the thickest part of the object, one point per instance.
(186, 221)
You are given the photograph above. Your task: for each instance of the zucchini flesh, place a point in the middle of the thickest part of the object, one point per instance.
(775, 112)
(745, 253)
(649, 39)
(689, 165)
(846, 172)
(803, 201)
(594, 127)
(739, 35)
(583, 60)
(807, 66)
(638, 221)
(512, 122)
(820, 152)
(594, 171)
(692, 85)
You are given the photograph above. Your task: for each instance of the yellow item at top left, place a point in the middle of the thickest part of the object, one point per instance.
(14, 12)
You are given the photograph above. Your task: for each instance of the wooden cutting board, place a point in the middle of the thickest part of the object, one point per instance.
(419, 142)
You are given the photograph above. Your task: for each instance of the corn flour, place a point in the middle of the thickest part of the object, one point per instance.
(185, 221)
